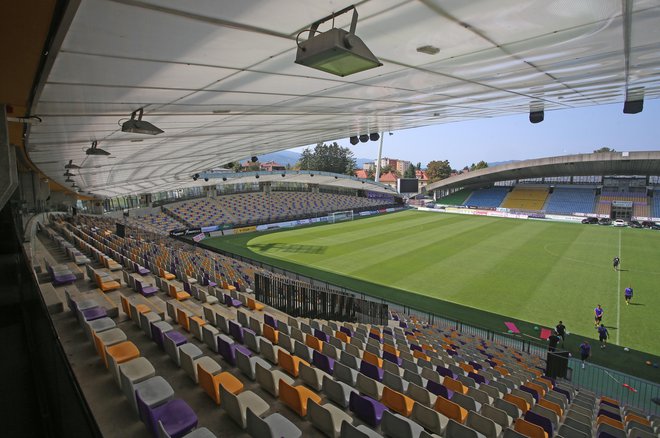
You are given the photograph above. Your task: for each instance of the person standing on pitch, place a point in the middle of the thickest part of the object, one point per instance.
(628, 294)
(615, 263)
(603, 335)
(585, 351)
(561, 332)
(598, 315)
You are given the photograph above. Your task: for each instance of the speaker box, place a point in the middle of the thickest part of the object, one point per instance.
(557, 364)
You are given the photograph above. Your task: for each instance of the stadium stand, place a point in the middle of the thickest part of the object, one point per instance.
(456, 198)
(436, 378)
(639, 200)
(487, 198)
(526, 198)
(656, 204)
(161, 222)
(565, 200)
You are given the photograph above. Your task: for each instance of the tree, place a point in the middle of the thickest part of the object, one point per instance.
(419, 165)
(410, 172)
(604, 149)
(327, 158)
(437, 170)
(480, 165)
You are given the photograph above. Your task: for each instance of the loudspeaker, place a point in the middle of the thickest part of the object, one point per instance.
(557, 364)
(633, 106)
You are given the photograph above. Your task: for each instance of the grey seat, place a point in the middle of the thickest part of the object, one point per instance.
(252, 341)
(368, 386)
(466, 402)
(301, 350)
(398, 426)
(268, 350)
(273, 426)
(577, 425)
(572, 413)
(349, 360)
(636, 432)
(414, 377)
(345, 374)
(510, 433)
(327, 418)
(209, 334)
(510, 409)
(429, 418)
(361, 431)
(337, 392)
(247, 364)
(243, 318)
(483, 425)
(480, 396)
(457, 430)
(395, 382)
(269, 380)
(188, 355)
(497, 415)
(421, 395)
(311, 376)
(567, 431)
(547, 413)
(237, 405)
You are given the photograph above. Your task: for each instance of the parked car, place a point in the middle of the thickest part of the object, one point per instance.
(634, 224)
(590, 220)
(650, 224)
(604, 221)
(619, 223)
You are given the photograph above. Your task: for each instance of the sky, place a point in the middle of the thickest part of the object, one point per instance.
(563, 132)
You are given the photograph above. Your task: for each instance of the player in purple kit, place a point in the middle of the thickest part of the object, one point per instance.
(598, 315)
(585, 351)
(628, 294)
(603, 335)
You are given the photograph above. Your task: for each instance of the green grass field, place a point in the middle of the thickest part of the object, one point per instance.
(531, 272)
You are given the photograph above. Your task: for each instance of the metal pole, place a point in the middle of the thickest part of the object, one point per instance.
(380, 153)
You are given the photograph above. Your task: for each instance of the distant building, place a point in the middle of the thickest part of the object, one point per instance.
(399, 165)
(422, 177)
(390, 179)
(271, 166)
(361, 173)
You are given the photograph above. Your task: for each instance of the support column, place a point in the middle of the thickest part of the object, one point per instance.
(8, 173)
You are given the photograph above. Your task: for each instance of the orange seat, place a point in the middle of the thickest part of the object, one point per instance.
(397, 402)
(314, 342)
(270, 333)
(166, 275)
(289, 363)
(100, 348)
(182, 319)
(518, 401)
(554, 407)
(608, 420)
(296, 397)
(122, 352)
(609, 400)
(124, 305)
(419, 355)
(391, 349)
(427, 347)
(143, 308)
(466, 367)
(637, 418)
(342, 337)
(451, 410)
(503, 371)
(537, 388)
(178, 295)
(529, 429)
(547, 381)
(210, 383)
(255, 305)
(372, 359)
(454, 385)
(106, 286)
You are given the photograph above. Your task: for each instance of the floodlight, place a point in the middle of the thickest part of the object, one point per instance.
(224, 179)
(67, 173)
(364, 138)
(374, 136)
(94, 150)
(71, 165)
(256, 176)
(195, 176)
(336, 51)
(354, 140)
(206, 179)
(69, 180)
(634, 101)
(536, 116)
(254, 159)
(139, 126)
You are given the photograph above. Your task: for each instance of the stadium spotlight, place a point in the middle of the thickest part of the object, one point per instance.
(257, 176)
(195, 176)
(311, 175)
(364, 138)
(336, 51)
(94, 150)
(71, 165)
(536, 112)
(139, 126)
(69, 180)
(224, 179)
(283, 175)
(206, 179)
(254, 159)
(354, 140)
(634, 101)
(374, 136)
(68, 173)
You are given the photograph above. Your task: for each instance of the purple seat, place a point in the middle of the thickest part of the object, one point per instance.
(390, 357)
(606, 403)
(452, 353)
(439, 389)
(376, 337)
(140, 269)
(230, 302)
(321, 335)
(176, 417)
(236, 331)
(607, 413)
(563, 391)
(371, 370)
(150, 394)
(476, 366)
(367, 409)
(478, 378)
(227, 349)
(346, 330)
(323, 362)
(94, 313)
(176, 337)
(403, 324)
(415, 347)
(530, 391)
(146, 290)
(539, 420)
(157, 333)
(269, 320)
(186, 287)
(63, 278)
(445, 372)
(387, 331)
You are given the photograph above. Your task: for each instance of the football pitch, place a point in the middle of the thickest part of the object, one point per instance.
(485, 271)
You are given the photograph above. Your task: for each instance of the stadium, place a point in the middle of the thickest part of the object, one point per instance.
(154, 289)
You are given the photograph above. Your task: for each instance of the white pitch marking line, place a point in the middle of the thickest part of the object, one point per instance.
(618, 301)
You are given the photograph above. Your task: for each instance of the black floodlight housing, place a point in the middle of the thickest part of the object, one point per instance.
(94, 150)
(254, 159)
(374, 136)
(354, 140)
(71, 165)
(364, 138)
(335, 51)
(68, 173)
(634, 101)
(536, 114)
(139, 126)
(69, 180)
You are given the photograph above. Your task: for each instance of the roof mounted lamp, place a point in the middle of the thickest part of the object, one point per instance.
(634, 101)
(139, 126)
(335, 51)
(536, 114)
(71, 165)
(94, 150)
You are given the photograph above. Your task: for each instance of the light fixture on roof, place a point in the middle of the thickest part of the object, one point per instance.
(69, 180)
(364, 138)
(195, 176)
(139, 126)
(95, 150)
(71, 165)
(335, 51)
(206, 179)
(374, 136)
(536, 114)
(254, 159)
(428, 49)
(354, 140)
(68, 173)
(634, 101)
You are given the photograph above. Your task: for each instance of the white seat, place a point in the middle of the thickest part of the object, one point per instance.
(327, 418)
(237, 405)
